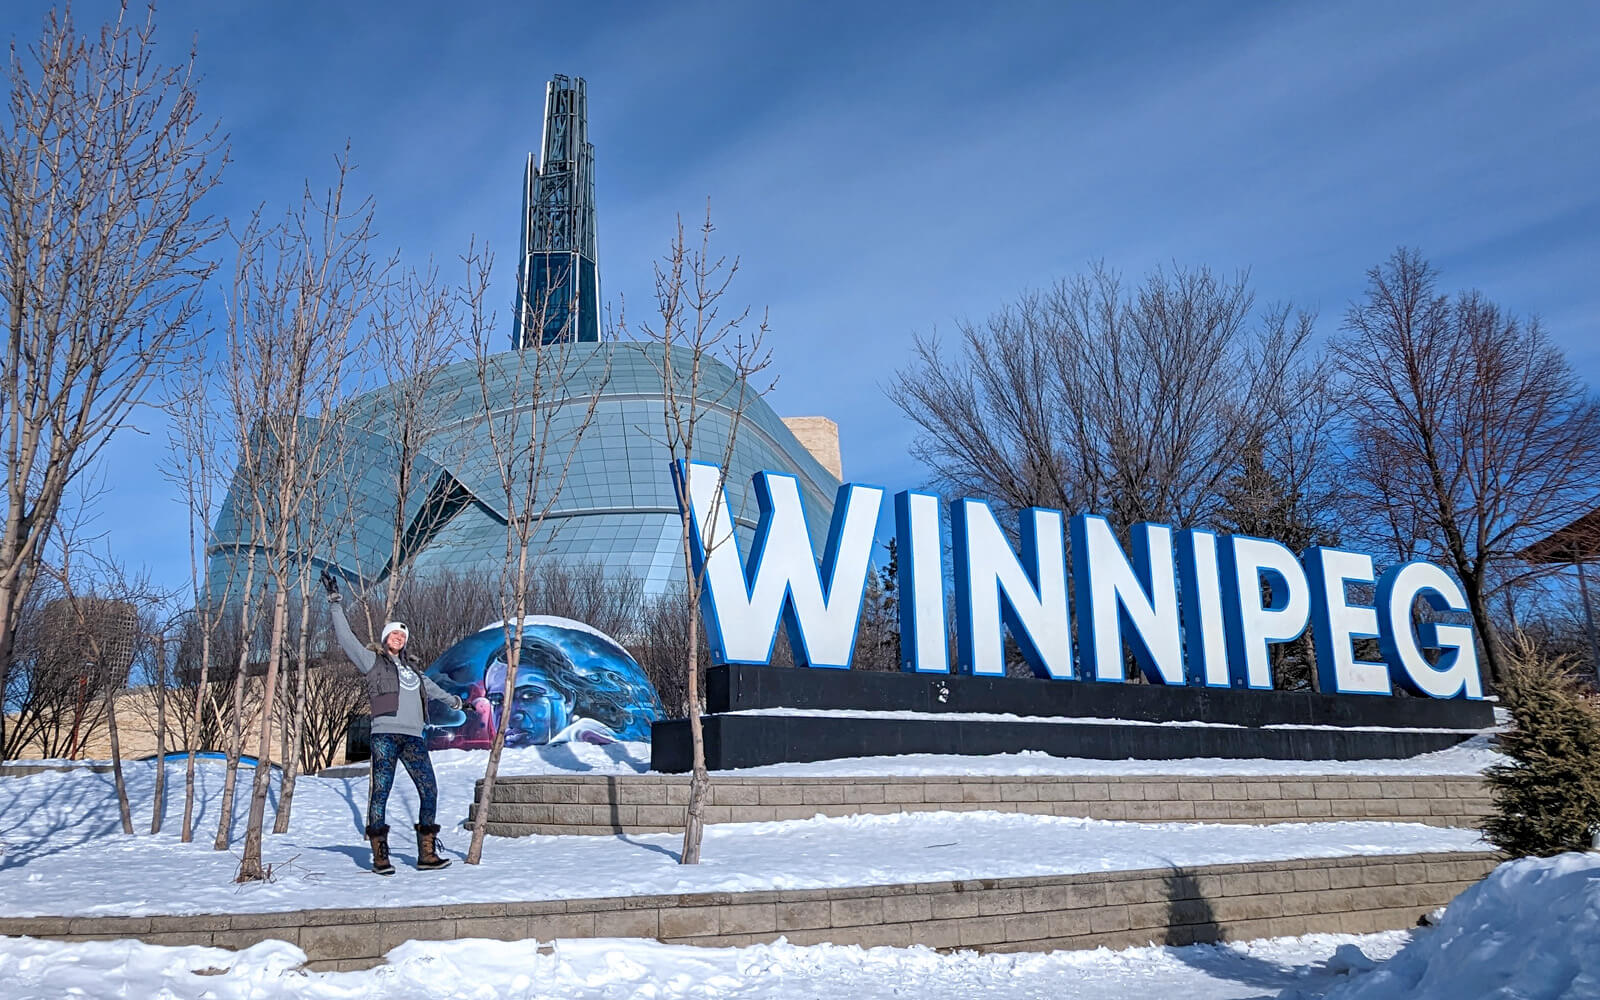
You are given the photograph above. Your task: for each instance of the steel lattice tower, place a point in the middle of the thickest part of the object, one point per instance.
(558, 280)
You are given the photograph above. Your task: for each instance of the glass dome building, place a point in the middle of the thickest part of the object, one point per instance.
(615, 508)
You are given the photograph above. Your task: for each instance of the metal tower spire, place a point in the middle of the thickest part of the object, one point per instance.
(558, 282)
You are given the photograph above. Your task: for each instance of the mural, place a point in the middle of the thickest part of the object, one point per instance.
(574, 684)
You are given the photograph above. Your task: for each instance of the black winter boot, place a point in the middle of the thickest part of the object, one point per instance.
(378, 837)
(428, 848)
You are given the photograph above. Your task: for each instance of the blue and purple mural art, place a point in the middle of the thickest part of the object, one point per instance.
(574, 683)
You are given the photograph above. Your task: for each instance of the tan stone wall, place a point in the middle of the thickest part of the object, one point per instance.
(821, 438)
(1116, 910)
(646, 803)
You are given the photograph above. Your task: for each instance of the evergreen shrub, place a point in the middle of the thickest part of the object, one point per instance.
(1547, 799)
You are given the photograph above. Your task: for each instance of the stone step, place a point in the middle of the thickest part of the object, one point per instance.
(1353, 895)
(650, 803)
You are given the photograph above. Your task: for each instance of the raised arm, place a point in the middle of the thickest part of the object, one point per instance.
(360, 655)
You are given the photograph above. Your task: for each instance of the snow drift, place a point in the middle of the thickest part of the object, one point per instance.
(1530, 931)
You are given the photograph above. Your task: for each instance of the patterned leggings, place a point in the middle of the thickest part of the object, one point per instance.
(412, 751)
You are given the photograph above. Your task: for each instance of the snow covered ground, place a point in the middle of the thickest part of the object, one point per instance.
(526, 970)
(1527, 932)
(62, 853)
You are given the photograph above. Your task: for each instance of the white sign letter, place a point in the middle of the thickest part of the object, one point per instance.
(1456, 673)
(921, 583)
(1113, 593)
(1253, 625)
(742, 606)
(993, 588)
(1335, 622)
(1205, 636)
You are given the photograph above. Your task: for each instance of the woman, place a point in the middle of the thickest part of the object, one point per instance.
(397, 695)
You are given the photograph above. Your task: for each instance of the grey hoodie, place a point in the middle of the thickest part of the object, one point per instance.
(394, 690)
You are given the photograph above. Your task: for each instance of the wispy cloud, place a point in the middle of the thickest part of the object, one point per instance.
(884, 169)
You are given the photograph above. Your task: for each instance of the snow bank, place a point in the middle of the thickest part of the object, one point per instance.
(1530, 931)
(529, 970)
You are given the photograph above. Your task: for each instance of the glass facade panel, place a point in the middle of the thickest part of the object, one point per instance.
(615, 509)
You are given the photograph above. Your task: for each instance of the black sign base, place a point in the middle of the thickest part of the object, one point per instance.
(823, 715)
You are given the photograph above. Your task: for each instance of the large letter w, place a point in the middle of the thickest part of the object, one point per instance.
(743, 604)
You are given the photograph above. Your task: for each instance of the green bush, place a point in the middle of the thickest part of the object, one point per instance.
(1547, 800)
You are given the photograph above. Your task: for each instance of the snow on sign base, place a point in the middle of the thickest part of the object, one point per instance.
(1462, 760)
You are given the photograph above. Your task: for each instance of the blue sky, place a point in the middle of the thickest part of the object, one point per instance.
(887, 169)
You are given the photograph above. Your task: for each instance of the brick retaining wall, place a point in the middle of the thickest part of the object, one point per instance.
(648, 803)
(1111, 909)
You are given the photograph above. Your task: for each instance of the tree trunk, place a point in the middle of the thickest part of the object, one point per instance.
(158, 807)
(187, 833)
(700, 782)
(8, 642)
(1493, 653)
(235, 731)
(480, 814)
(291, 756)
(116, 759)
(250, 867)
(230, 777)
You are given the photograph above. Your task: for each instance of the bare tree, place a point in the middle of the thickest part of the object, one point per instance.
(315, 527)
(691, 335)
(244, 627)
(1089, 398)
(417, 334)
(104, 160)
(658, 640)
(303, 287)
(53, 702)
(1560, 621)
(537, 403)
(204, 726)
(192, 467)
(605, 599)
(442, 607)
(309, 528)
(105, 607)
(1472, 430)
(335, 691)
(1284, 483)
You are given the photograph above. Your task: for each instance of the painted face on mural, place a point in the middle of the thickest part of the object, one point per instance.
(539, 708)
(538, 713)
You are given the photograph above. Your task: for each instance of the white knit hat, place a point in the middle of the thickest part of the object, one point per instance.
(383, 637)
